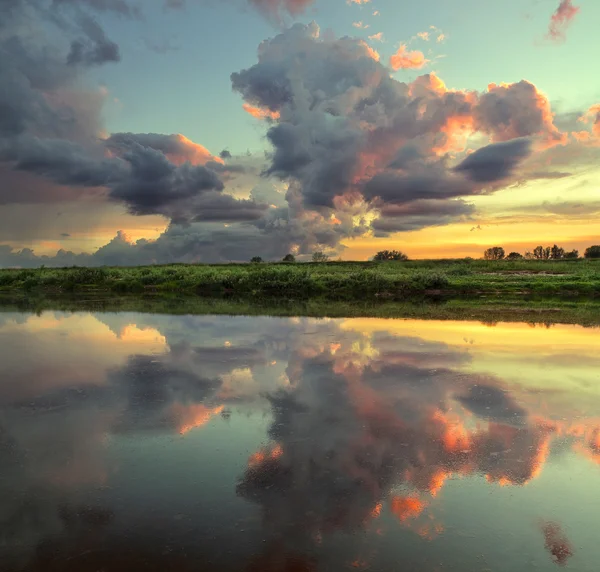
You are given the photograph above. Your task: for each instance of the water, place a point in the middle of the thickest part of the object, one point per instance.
(214, 443)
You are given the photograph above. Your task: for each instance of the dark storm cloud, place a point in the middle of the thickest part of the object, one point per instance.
(154, 181)
(48, 127)
(170, 145)
(93, 53)
(63, 162)
(397, 188)
(421, 214)
(496, 161)
(325, 165)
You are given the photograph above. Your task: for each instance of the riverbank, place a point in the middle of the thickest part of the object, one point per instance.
(540, 312)
(348, 281)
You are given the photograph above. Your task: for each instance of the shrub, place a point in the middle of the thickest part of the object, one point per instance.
(388, 255)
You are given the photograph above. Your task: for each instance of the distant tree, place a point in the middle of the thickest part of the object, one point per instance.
(289, 258)
(529, 255)
(384, 255)
(592, 252)
(319, 256)
(572, 255)
(514, 256)
(494, 253)
(256, 260)
(556, 252)
(541, 253)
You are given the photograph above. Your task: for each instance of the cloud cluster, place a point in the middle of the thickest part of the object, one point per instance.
(344, 128)
(50, 128)
(358, 150)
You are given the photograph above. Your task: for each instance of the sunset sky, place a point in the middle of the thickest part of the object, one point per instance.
(217, 130)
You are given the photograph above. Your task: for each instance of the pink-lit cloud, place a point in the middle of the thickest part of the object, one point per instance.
(562, 19)
(404, 59)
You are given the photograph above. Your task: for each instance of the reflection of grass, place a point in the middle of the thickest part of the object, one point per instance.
(545, 312)
(332, 281)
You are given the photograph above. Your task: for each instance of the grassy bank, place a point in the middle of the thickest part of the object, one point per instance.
(331, 281)
(541, 312)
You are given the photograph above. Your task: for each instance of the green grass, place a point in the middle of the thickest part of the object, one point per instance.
(346, 281)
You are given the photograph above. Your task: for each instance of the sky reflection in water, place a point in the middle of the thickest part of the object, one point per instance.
(132, 441)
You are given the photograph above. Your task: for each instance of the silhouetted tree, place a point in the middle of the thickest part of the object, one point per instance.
(592, 252)
(572, 255)
(319, 256)
(289, 258)
(556, 252)
(541, 253)
(384, 255)
(494, 253)
(256, 260)
(514, 256)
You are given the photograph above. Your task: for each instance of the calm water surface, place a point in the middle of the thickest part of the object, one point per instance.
(214, 443)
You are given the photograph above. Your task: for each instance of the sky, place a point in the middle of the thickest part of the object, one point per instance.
(219, 130)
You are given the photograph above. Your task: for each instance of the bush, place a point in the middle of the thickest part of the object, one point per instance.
(390, 255)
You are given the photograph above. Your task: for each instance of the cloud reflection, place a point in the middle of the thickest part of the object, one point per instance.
(366, 419)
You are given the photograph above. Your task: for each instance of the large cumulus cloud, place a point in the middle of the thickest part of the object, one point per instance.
(344, 126)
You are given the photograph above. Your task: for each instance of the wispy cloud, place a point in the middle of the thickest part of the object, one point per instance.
(561, 20)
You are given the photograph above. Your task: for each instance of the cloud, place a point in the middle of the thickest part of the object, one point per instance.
(419, 214)
(508, 111)
(259, 113)
(177, 148)
(95, 48)
(496, 161)
(562, 19)
(348, 143)
(377, 37)
(118, 6)
(274, 10)
(403, 59)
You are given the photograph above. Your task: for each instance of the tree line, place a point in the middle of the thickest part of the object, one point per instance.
(541, 253)
(494, 253)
